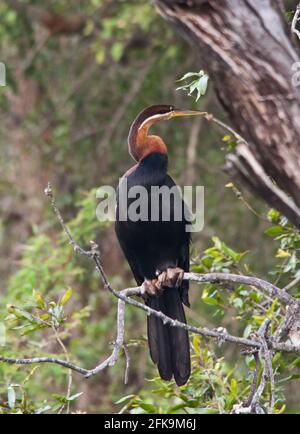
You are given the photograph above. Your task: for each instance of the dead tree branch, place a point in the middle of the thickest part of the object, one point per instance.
(249, 55)
(265, 355)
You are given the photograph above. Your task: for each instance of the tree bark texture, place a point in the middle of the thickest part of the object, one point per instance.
(248, 51)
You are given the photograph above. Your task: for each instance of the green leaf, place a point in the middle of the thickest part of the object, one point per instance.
(188, 75)
(250, 361)
(273, 216)
(210, 300)
(231, 253)
(193, 86)
(32, 328)
(100, 55)
(148, 407)
(42, 409)
(199, 84)
(73, 397)
(117, 50)
(233, 387)
(39, 299)
(11, 396)
(282, 254)
(274, 231)
(207, 261)
(66, 297)
(125, 398)
(247, 331)
(185, 87)
(23, 314)
(207, 410)
(238, 302)
(202, 86)
(196, 344)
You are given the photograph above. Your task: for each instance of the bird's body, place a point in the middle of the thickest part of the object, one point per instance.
(152, 247)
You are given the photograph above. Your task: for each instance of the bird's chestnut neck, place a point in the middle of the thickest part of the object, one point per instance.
(140, 144)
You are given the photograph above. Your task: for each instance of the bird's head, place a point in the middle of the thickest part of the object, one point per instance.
(138, 138)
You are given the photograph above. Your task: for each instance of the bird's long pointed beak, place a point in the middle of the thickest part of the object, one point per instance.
(176, 113)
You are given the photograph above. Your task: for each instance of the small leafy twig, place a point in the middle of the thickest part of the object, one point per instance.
(199, 83)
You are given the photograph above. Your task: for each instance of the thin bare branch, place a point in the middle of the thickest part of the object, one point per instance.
(253, 403)
(292, 284)
(295, 21)
(70, 373)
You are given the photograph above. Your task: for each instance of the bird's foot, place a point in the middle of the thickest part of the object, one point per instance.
(151, 287)
(172, 278)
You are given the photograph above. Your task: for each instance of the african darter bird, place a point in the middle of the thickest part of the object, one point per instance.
(158, 251)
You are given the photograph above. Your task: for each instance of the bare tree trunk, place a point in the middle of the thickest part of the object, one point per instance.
(248, 50)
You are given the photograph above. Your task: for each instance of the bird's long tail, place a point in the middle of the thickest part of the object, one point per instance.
(169, 346)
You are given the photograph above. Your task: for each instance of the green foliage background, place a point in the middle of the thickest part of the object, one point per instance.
(65, 114)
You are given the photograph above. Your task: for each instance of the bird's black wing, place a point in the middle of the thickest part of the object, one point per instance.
(184, 253)
(128, 252)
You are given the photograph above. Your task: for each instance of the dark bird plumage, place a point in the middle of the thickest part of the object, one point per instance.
(155, 246)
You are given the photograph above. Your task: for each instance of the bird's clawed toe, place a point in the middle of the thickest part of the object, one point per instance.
(151, 287)
(171, 278)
